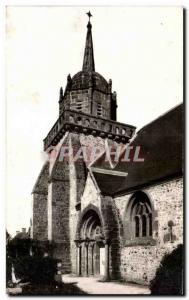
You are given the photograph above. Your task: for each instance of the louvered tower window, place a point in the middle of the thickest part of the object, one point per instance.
(79, 105)
(99, 109)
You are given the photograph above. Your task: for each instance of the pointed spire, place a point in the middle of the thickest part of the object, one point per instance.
(88, 60)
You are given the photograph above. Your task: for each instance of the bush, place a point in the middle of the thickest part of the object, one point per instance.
(169, 276)
(35, 269)
(8, 270)
(39, 248)
(19, 247)
(43, 269)
(22, 267)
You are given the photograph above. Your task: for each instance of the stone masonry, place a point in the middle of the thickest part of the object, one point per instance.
(92, 231)
(139, 263)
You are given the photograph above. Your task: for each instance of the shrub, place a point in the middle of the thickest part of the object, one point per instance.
(39, 248)
(169, 276)
(19, 247)
(8, 270)
(38, 268)
(35, 269)
(43, 269)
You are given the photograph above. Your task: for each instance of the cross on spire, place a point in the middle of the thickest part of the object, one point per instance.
(88, 60)
(89, 15)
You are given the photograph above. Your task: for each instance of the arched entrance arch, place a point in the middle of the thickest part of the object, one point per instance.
(90, 244)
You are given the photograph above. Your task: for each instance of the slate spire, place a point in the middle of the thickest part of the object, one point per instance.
(88, 60)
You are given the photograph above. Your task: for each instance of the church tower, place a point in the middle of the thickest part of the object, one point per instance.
(87, 91)
(88, 94)
(87, 118)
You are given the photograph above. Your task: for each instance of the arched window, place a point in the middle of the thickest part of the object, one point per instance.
(141, 215)
(138, 223)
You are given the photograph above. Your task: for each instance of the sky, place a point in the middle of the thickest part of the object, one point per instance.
(139, 48)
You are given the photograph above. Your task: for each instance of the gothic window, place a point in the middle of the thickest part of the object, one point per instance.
(138, 219)
(142, 218)
(99, 109)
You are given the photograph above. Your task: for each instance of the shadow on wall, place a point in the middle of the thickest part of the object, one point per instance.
(169, 276)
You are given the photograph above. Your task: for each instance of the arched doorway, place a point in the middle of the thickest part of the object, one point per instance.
(90, 245)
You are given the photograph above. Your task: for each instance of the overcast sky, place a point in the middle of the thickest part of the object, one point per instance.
(140, 49)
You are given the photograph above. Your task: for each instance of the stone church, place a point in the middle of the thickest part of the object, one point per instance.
(114, 218)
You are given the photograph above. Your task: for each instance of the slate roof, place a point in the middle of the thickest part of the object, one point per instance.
(161, 144)
(82, 80)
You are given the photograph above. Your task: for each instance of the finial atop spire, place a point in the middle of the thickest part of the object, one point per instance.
(89, 15)
(61, 91)
(88, 60)
(61, 95)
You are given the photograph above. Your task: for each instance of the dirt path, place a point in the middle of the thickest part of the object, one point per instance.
(91, 285)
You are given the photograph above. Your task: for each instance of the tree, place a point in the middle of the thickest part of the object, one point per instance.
(169, 276)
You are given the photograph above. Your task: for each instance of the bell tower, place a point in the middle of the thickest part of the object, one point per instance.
(88, 105)
(88, 91)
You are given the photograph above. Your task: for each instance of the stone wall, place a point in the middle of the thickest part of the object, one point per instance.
(112, 235)
(85, 100)
(58, 208)
(66, 184)
(90, 142)
(90, 195)
(77, 178)
(67, 180)
(39, 222)
(139, 263)
(104, 100)
(39, 205)
(80, 97)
